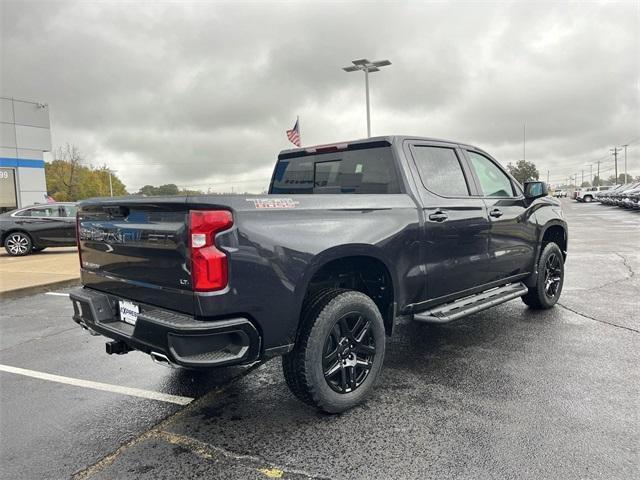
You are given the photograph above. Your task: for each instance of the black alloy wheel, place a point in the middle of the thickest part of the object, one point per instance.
(349, 351)
(552, 275)
(548, 287)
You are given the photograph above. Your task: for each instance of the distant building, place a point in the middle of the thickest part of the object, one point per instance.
(25, 135)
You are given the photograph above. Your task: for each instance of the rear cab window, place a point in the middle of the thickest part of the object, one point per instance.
(362, 171)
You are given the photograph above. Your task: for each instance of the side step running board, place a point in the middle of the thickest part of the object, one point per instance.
(472, 304)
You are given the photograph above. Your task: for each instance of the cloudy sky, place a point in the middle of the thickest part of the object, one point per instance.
(200, 94)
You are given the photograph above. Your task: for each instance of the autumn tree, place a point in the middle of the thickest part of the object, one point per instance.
(70, 179)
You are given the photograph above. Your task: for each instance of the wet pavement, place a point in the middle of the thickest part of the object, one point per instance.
(506, 393)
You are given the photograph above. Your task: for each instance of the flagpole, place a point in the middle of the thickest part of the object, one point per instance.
(299, 129)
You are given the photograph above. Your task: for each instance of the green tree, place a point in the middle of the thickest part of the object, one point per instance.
(523, 171)
(621, 180)
(168, 189)
(585, 184)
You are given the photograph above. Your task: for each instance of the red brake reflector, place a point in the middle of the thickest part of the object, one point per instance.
(208, 264)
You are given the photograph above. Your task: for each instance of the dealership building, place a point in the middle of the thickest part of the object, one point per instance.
(25, 135)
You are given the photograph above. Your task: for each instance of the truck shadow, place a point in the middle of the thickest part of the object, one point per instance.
(424, 365)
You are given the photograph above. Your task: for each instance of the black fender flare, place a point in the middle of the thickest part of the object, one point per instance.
(533, 278)
(336, 253)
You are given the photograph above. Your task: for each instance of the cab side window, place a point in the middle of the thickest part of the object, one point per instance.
(440, 171)
(493, 181)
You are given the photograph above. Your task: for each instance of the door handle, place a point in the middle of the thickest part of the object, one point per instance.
(496, 213)
(438, 216)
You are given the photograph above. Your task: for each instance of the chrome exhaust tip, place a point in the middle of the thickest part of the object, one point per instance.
(161, 359)
(90, 330)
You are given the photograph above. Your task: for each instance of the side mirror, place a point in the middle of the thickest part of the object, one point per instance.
(534, 190)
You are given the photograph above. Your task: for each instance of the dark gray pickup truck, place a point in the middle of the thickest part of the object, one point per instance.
(351, 237)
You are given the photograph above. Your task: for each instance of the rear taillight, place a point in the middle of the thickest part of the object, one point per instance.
(78, 237)
(208, 264)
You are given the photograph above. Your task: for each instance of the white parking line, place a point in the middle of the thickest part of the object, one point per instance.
(57, 294)
(106, 387)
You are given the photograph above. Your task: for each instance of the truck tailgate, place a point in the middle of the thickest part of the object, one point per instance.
(137, 250)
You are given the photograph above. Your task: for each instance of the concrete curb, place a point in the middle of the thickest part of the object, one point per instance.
(47, 287)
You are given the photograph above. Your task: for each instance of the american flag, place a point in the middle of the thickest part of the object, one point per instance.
(294, 134)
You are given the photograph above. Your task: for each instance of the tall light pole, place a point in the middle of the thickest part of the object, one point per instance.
(367, 67)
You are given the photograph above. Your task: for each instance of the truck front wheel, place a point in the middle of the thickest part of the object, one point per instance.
(339, 352)
(546, 292)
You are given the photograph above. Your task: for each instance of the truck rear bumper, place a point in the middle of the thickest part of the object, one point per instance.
(182, 339)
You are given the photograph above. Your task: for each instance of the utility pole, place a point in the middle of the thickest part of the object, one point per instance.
(615, 151)
(547, 177)
(582, 182)
(625, 162)
(599, 179)
(590, 165)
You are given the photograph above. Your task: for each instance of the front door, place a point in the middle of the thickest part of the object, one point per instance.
(513, 236)
(456, 227)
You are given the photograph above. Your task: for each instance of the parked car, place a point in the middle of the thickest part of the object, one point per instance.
(351, 237)
(617, 197)
(559, 193)
(32, 229)
(589, 194)
(623, 199)
(606, 198)
(634, 200)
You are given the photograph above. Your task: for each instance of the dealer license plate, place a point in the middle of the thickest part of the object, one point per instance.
(129, 312)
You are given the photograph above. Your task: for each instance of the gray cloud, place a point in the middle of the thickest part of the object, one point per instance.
(200, 94)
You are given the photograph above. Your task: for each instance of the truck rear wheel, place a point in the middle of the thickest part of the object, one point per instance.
(339, 352)
(548, 287)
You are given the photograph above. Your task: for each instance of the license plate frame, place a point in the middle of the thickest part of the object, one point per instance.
(129, 311)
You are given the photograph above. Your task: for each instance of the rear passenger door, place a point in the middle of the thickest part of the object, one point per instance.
(513, 236)
(455, 231)
(44, 224)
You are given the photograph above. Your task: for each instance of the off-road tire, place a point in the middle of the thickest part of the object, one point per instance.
(303, 366)
(288, 360)
(538, 297)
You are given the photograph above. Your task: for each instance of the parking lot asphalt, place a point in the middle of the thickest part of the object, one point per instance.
(506, 393)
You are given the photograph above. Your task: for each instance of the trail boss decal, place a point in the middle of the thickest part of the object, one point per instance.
(273, 202)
